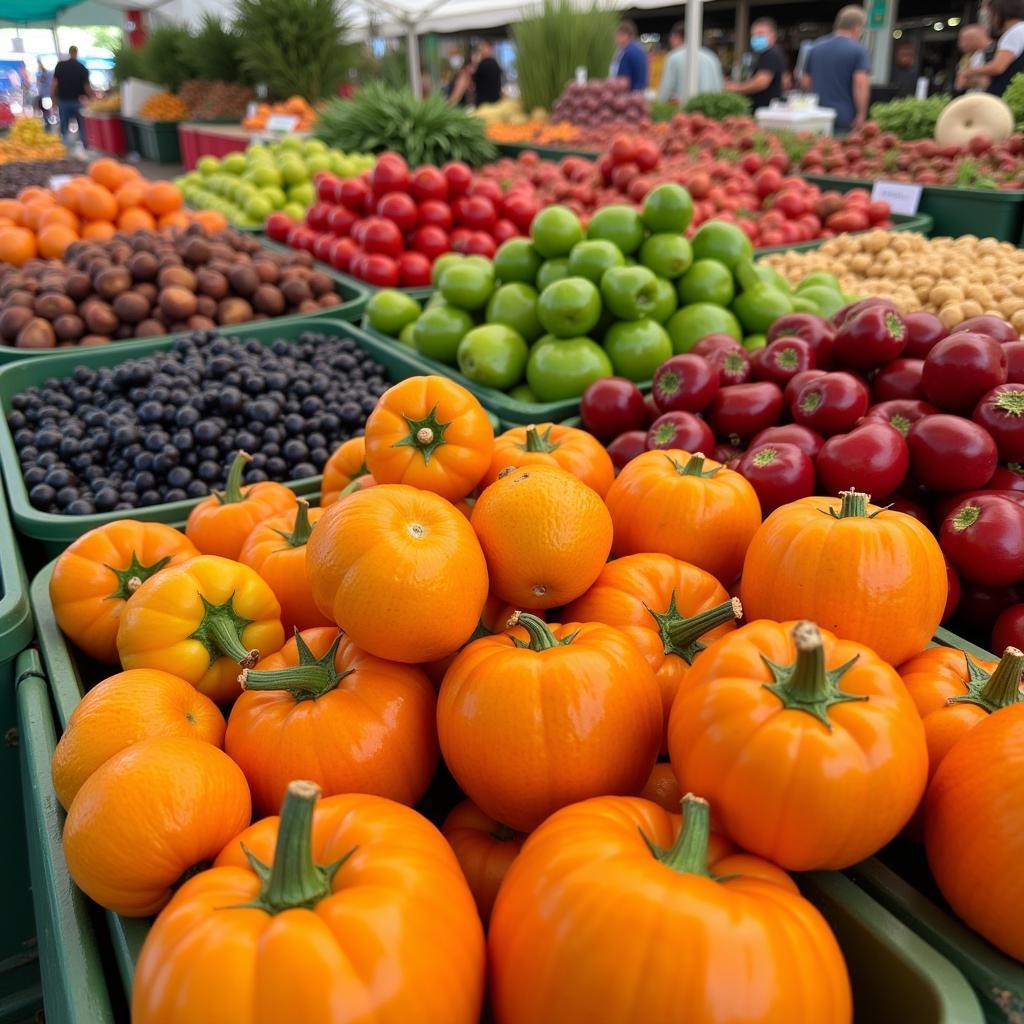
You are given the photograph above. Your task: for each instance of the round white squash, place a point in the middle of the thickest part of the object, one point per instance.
(975, 114)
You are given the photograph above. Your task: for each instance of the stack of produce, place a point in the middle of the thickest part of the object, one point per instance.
(247, 187)
(388, 226)
(295, 107)
(215, 100)
(508, 111)
(114, 197)
(810, 736)
(956, 278)
(536, 132)
(148, 284)
(165, 106)
(29, 140)
(22, 174)
(109, 104)
(553, 313)
(601, 102)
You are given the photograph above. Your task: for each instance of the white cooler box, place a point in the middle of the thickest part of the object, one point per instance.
(819, 120)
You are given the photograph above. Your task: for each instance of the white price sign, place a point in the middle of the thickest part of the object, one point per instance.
(901, 197)
(281, 122)
(57, 180)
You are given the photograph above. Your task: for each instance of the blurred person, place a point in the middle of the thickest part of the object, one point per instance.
(70, 83)
(44, 81)
(838, 70)
(674, 77)
(1007, 25)
(975, 44)
(486, 73)
(904, 73)
(769, 75)
(630, 60)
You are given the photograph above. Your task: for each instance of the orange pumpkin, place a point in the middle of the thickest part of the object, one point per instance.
(323, 710)
(485, 849)
(431, 433)
(122, 710)
(276, 549)
(662, 787)
(149, 816)
(551, 444)
(867, 574)
(400, 571)
(668, 608)
(220, 524)
(355, 911)
(617, 912)
(974, 828)
(809, 748)
(345, 471)
(541, 716)
(94, 577)
(687, 506)
(203, 621)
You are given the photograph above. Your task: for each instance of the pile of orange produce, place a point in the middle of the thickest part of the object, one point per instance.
(294, 106)
(539, 132)
(165, 106)
(29, 140)
(112, 197)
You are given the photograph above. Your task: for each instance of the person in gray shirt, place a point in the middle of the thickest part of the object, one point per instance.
(673, 87)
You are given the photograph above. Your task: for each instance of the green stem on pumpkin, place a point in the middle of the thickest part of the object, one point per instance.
(689, 853)
(309, 679)
(538, 442)
(1001, 688)
(694, 466)
(300, 533)
(681, 636)
(232, 492)
(220, 632)
(133, 576)
(541, 637)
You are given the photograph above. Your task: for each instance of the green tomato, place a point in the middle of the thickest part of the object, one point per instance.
(560, 369)
(719, 240)
(493, 355)
(523, 393)
(637, 348)
(592, 257)
(825, 301)
(466, 284)
(405, 336)
(821, 278)
(691, 323)
(438, 331)
(570, 307)
(552, 271)
(665, 302)
(516, 260)
(390, 310)
(445, 260)
(619, 224)
(668, 208)
(554, 231)
(667, 255)
(759, 307)
(515, 305)
(707, 281)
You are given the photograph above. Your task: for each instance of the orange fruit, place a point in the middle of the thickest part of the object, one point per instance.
(161, 197)
(136, 219)
(17, 245)
(57, 215)
(211, 220)
(108, 173)
(99, 230)
(32, 194)
(546, 536)
(130, 194)
(32, 214)
(177, 219)
(67, 196)
(54, 239)
(97, 203)
(11, 209)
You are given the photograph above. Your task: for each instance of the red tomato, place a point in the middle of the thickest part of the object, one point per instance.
(379, 270)
(627, 446)
(399, 208)
(950, 454)
(901, 413)
(301, 237)
(328, 187)
(435, 213)
(459, 177)
(870, 338)
(340, 220)
(322, 246)
(413, 270)
(431, 241)
(503, 230)
(983, 538)
(479, 243)
(959, 370)
(428, 184)
(475, 212)
(848, 220)
(778, 472)
(732, 364)
(1001, 413)
(994, 326)
(807, 440)
(831, 404)
(815, 330)
(613, 406)
(739, 412)
(680, 430)
(781, 360)
(899, 379)
(684, 383)
(343, 251)
(278, 226)
(872, 458)
(354, 193)
(316, 216)
(520, 207)
(382, 236)
(389, 174)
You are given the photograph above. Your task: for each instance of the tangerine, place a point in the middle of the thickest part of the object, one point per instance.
(17, 245)
(130, 194)
(54, 239)
(161, 197)
(108, 173)
(99, 230)
(212, 221)
(97, 202)
(175, 219)
(136, 219)
(11, 210)
(56, 215)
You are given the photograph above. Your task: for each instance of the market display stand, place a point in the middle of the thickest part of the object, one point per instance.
(156, 141)
(210, 138)
(105, 132)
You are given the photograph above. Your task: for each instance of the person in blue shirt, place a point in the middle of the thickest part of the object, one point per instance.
(630, 60)
(838, 70)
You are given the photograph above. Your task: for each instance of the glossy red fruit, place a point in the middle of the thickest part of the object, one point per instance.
(413, 270)
(983, 538)
(1014, 362)
(322, 247)
(1001, 413)
(994, 326)
(901, 413)
(378, 270)
(278, 226)
(711, 342)
(872, 458)
(382, 236)
(684, 383)
(841, 316)
(390, 174)
(732, 364)
(1008, 630)
(316, 216)
(653, 412)
(612, 406)
(912, 508)
(475, 212)
(342, 252)
(459, 177)
(428, 184)
(815, 330)
(503, 230)
(340, 220)
(869, 339)
(781, 360)
(945, 504)
(520, 207)
(328, 187)
(924, 331)
(796, 382)
(899, 379)
(434, 213)
(431, 241)
(479, 243)
(949, 454)
(1008, 478)
(778, 472)
(952, 593)
(627, 446)
(960, 369)
(831, 404)
(807, 440)
(354, 194)
(399, 208)
(680, 430)
(740, 412)
(728, 454)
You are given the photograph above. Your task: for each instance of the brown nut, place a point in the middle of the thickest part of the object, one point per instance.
(144, 266)
(77, 286)
(177, 303)
(212, 283)
(12, 320)
(99, 317)
(195, 251)
(319, 283)
(111, 282)
(234, 311)
(150, 329)
(69, 327)
(131, 307)
(268, 299)
(244, 280)
(50, 305)
(296, 292)
(176, 277)
(37, 333)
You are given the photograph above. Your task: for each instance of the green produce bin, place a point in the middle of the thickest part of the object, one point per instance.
(956, 211)
(919, 222)
(156, 141)
(898, 878)
(353, 294)
(54, 532)
(896, 976)
(20, 992)
(552, 153)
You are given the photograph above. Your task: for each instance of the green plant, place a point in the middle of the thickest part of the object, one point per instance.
(1014, 97)
(556, 39)
(217, 51)
(296, 47)
(128, 63)
(909, 119)
(663, 111)
(392, 69)
(168, 57)
(718, 105)
(423, 131)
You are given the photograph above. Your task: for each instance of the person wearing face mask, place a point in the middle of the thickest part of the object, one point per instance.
(766, 82)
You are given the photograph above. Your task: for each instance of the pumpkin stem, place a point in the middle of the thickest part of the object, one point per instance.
(311, 678)
(853, 504)
(294, 880)
(807, 685)
(541, 637)
(424, 435)
(1001, 688)
(220, 632)
(232, 492)
(503, 834)
(302, 529)
(689, 853)
(353, 484)
(538, 442)
(131, 578)
(694, 466)
(681, 636)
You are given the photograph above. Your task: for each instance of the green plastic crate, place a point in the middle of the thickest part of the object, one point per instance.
(54, 531)
(354, 296)
(896, 976)
(156, 141)
(956, 211)
(552, 153)
(20, 993)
